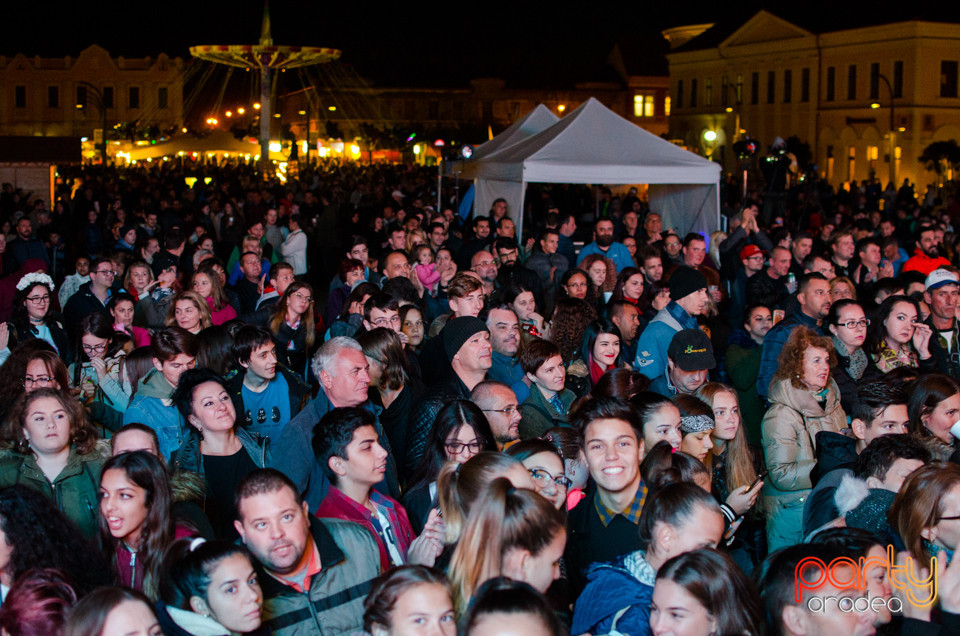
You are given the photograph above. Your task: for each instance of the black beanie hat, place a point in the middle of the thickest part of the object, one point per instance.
(457, 331)
(685, 281)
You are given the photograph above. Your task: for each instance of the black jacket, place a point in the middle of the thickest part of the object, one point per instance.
(299, 390)
(848, 386)
(947, 364)
(421, 422)
(82, 304)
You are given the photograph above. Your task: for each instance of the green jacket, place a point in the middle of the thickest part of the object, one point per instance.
(334, 604)
(76, 490)
(539, 416)
(743, 366)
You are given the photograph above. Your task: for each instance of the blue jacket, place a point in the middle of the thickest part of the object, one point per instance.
(652, 345)
(151, 405)
(292, 453)
(613, 587)
(773, 345)
(617, 252)
(508, 371)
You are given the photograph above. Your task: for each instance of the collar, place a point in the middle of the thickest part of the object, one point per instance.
(339, 500)
(636, 564)
(631, 513)
(325, 554)
(680, 315)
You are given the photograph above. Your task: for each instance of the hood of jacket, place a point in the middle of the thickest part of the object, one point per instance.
(834, 450)
(802, 400)
(155, 385)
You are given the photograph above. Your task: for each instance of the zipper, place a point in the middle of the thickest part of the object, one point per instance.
(133, 568)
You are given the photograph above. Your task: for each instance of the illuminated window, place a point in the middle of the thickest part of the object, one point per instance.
(643, 105)
(873, 153)
(666, 106)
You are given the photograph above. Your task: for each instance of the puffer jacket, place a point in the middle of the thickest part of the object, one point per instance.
(421, 422)
(75, 491)
(333, 605)
(789, 430)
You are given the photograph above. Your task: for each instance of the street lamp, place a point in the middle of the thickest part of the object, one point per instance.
(98, 98)
(893, 130)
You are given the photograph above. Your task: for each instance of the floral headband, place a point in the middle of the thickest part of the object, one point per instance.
(696, 424)
(35, 278)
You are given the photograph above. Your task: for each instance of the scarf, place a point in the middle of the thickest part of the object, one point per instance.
(856, 361)
(887, 359)
(595, 371)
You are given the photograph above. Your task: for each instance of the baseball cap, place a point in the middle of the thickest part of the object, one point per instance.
(939, 278)
(691, 350)
(750, 250)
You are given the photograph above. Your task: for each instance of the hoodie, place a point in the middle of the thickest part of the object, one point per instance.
(617, 597)
(152, 406)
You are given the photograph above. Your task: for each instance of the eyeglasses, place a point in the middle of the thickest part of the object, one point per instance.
(953, 518)
(386, 322)
(455, 448)
(40, 380)
(107, 272)
(542, 477)
(94, 348)
(853, 324)
(300, 296)
(36, 300)
(513, 408)
(484, 264)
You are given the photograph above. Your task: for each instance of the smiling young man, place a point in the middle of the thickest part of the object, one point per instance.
(346, 446)
(604, 525)
(265, 393)
(314, 573)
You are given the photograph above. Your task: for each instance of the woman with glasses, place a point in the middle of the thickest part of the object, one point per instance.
(33, 317)
(897, 337)
(459, 432)
(97, 372)
(544, 464)
(294, 328)
(926, 513)
(392, 386)
(848, 326)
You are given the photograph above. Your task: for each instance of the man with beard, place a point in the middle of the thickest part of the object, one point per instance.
(505, 339)
(604, 245)
(511, 272)
(483, 265)
(926, 257)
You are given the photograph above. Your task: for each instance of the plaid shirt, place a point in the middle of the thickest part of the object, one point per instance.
(631, 512)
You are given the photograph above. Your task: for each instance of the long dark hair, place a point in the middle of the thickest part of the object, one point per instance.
(19, 317)
(622, 279)
(187, 572)
(454, 415)
(40, 536)
(384, 346)
(594, 329)
(95, 324)
(379, 604)
(306, 321)
(90, 614)
(147, 472)
(877, 332)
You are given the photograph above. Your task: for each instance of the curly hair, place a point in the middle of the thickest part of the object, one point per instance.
(611, 280)
(83, 436)
(570, 320)
(791, 357)
(40, 536)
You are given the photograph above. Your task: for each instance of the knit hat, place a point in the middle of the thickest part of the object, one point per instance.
(457, 331)
(125, 229)
(685, 281)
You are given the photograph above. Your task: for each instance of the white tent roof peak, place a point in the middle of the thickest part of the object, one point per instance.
(538, 119)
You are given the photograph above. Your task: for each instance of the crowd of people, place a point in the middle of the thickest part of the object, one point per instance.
(323, 406)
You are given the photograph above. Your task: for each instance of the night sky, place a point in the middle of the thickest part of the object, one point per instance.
(542, 45)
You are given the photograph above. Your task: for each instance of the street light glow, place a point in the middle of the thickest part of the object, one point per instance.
(710, 135)
(229, 113)
(561, 108)
(256, 106)
(875, 105)
(729, 109)
(241, 110)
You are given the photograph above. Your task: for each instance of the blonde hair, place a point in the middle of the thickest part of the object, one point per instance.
(460, 485)
(198, 301)
(739, 470)
(505, 518)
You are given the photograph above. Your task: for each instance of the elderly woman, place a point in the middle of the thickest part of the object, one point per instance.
(804, 400)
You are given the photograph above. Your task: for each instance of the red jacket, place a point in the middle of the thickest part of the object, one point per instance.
(337, 505)
(922, 263)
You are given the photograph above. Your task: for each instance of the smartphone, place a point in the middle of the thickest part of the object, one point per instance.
(778, 315)
(758, 480)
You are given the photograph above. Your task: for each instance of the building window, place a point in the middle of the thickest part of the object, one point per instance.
(831, 83)
(81, 96)
(898, 78)
(948, 78)
(133, 97)
(708, 92)
(875, 81)
(851, 162)
(643, 105)
(787, 86)
(162, 97)
(771, 86)
(723, 90)
(108, 96)
(53, 97)
(755, 88)
(693, 93)
(679, 93)
(666, 106)
(20, 97)
(805, 85)
(739, 89)
(852, 81)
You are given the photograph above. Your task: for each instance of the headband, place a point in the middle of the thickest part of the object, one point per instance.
(696, 424)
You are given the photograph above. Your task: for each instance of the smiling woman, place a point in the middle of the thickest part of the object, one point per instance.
(219, 450)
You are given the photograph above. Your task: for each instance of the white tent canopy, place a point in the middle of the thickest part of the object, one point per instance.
(537, 120)
(595, 145)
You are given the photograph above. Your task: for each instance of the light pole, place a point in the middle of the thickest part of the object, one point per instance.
(893, 131)
(103, 117)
